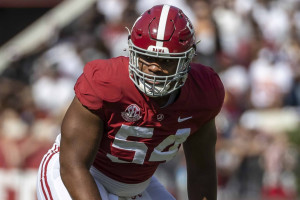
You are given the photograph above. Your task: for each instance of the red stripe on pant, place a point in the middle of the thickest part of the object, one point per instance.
(48, 157)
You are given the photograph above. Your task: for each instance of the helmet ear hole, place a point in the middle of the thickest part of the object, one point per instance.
(183, 42)
(139, 32)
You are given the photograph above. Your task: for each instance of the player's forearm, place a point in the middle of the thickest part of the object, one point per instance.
(80, 184)
(202, 186)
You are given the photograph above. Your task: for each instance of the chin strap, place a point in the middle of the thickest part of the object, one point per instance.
(171, 99)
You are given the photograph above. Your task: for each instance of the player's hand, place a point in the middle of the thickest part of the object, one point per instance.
(204, 198)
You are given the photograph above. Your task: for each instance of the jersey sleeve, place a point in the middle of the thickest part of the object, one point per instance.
(209, 90)
(219, 93)
(86, 94)
(99, 82)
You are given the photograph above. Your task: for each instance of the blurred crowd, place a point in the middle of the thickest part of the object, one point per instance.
(254, 45)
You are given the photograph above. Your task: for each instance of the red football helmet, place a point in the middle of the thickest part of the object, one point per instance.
(163, 31)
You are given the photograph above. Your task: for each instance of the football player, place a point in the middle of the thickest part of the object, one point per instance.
(132, 113)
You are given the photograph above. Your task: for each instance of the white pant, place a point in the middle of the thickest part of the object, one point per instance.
(50, 185)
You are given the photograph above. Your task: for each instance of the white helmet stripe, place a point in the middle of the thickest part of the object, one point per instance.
(162, 25)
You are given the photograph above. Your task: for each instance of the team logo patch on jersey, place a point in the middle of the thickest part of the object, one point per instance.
(132, 113)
